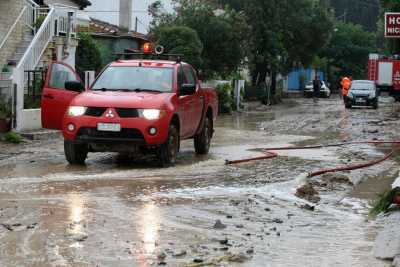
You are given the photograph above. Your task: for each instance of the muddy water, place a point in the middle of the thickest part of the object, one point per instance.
(119, 212)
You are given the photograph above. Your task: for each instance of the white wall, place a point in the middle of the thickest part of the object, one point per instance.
(110, 12)
(64, 2)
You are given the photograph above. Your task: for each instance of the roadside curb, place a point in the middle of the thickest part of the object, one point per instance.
(40, 134)
(387, 243)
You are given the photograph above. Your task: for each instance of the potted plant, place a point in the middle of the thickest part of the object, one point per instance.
(5, 73)
(5, 117)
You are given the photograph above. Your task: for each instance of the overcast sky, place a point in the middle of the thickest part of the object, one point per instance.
(110, 8)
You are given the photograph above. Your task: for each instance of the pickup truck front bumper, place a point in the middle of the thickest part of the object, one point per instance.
(133, 131)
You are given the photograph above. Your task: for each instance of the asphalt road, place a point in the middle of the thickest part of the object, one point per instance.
(119, 211)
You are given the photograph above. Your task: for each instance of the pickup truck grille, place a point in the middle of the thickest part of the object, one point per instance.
(94, 134)
(127, 112)
(122, 112)
(95, 112)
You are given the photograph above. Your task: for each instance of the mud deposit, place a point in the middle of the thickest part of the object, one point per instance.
(124, 212)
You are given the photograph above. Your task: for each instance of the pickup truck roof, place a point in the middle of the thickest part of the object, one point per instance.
(146, 62)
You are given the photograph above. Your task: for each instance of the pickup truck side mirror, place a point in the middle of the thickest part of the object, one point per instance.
(74, 86)
(187, 89)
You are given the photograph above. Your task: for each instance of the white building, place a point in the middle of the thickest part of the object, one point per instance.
(108, 10)
(32, 34)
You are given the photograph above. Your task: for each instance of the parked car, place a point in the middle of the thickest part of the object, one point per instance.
(309, 90)
(362, 93)
(134, 105)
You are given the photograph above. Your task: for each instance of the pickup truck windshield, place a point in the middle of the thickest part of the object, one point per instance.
(135, 79)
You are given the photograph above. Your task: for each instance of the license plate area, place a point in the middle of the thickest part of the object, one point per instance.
(109, 127)
(360, 100)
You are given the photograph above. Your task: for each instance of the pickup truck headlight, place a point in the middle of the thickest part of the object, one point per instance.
(350, 95)
(151, 114)
(372, 95)
(75, 111)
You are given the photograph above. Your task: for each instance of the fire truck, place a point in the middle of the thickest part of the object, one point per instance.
(385, 71)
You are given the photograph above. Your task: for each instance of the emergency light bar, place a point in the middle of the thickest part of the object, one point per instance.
(139, 55)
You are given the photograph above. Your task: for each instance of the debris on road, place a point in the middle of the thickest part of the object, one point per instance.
(228, 258)
(331, 178)
(308, 193)
(219, 225)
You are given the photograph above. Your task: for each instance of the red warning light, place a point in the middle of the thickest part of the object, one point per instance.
(147, 48)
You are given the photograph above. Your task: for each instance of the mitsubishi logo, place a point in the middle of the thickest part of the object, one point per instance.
(110, 114)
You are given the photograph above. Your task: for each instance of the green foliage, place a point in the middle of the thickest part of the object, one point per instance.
(5, 68)
(349, 49)
(225, 98)
(13, 137)
(5, 109)
(39, 21)
(283, 35)
(222, 33)
(384, 202)
(181, 40)
(87, 55)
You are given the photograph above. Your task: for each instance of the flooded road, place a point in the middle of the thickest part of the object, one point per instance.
(128, 212)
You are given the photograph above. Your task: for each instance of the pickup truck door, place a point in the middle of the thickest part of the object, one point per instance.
(184, 105)
(55, 98)
(196, 103)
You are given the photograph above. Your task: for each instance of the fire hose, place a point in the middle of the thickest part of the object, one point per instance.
(270, 154)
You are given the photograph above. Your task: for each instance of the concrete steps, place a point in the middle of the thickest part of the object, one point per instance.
(21, 48)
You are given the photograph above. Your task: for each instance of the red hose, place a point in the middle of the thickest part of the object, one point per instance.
(351, 167)
(269, 155)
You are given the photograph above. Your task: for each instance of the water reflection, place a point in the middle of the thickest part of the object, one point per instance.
(150, 225)
(76, 217)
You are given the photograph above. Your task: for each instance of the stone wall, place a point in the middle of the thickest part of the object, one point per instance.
(9, 12)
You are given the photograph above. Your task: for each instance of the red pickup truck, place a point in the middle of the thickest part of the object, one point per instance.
(133, 106)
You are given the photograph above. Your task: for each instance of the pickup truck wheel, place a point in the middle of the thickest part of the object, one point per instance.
(203, 139)
(74, 153)
(168, 151)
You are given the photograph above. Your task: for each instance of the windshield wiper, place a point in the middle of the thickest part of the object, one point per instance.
(123, 90)
(100, 89)
(137, 90)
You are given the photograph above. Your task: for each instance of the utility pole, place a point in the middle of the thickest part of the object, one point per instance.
(136, 24)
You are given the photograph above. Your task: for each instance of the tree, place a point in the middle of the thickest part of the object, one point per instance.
(221, 32)
(180, 40)
(87, 55)
(349, 48)
(285, 34)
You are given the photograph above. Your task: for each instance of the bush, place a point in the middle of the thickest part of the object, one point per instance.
(13, 137)
(225, 98)
(5, 109)
(88, 56)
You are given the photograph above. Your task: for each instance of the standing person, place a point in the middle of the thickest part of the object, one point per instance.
(317, 84)
(346, 83)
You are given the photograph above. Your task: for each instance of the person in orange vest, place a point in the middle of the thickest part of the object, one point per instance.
(345, 83)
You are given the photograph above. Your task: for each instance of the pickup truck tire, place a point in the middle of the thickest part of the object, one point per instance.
(168, 151)
(375, 105)
(75, 154)
(203, 139)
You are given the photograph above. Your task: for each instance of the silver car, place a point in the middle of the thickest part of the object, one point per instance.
(309, 90)
(362, 93)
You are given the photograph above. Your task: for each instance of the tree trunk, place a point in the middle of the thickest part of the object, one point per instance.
(273, 83)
